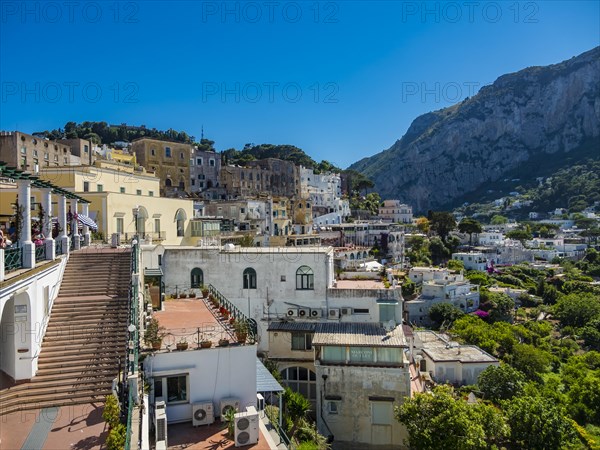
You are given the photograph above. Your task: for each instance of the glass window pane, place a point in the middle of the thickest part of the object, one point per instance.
(361, 354)
(303, 389)
(158, 387)
(334, 353)
(303, 374)
(176, 389)
(293, 373)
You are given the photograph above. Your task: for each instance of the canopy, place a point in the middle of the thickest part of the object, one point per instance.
(85, 220)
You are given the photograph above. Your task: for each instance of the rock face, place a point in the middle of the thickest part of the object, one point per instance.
(537, 118)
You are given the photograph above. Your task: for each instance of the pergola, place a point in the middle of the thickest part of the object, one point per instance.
(24, 254)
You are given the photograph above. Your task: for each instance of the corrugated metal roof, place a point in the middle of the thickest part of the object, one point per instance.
(358, 334)
(292, 326)
(152, 272)
(264, 380)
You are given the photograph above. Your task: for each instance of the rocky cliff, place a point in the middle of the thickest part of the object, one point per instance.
(525, 123)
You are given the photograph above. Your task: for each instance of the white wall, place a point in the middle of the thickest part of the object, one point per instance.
(22, 333)
(356, 385)
(214, 374)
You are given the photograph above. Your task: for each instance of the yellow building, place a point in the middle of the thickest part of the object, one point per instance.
(118, 193)
(169, 160)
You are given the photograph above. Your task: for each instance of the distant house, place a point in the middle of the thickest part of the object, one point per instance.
(450, 362)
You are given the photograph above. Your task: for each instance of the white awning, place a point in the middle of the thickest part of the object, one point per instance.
(85, 220)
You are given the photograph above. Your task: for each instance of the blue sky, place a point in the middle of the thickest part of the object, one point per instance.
(341, 80)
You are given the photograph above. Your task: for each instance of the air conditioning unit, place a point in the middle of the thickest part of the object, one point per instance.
(316, 313)
(304, 312)
(333, 313)
(228, 403)
(345, 311)
(292, 312)
(246, 427)
(202, 413)
(260, 402)
(160, 424)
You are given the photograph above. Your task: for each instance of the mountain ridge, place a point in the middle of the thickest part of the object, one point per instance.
(536, 114)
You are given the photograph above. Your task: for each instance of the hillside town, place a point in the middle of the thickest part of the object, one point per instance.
(183, 300)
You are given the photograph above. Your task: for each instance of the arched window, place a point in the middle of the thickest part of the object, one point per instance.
(302, 380)
(168, 182)
(249, 278)
(351, 256)
(180, 219)
(305, 278)
(197, 277)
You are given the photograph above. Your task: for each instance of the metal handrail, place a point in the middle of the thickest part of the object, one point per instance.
(40, 253)
(234, 311)
(133, 341)
(58, 247)
(13, 258)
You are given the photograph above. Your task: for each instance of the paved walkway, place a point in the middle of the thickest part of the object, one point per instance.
(76, 427)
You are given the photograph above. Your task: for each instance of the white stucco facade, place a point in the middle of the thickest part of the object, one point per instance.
(210, 375)
(25, 306)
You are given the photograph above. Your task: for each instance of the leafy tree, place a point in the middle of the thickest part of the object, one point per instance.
(530, 360)
(577, 309)
(438, 420)
(500, 306)
(439, 252)
(444, 313)
(469, 226)
(537, 423)
(422, 224)
(501, 383)
(519, 235)
(455, 264)
(498, 220)
(442, 223)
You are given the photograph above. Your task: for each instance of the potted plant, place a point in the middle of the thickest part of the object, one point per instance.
(205, 343)
(229, 418)
(205, 291)
(154, 334)
(192, 294)
(182, 344)
(223, 342)
(241, 330)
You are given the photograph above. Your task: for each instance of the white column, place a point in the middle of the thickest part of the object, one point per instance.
(47, 225)
(1, 264)
(25, 238)
(62, 223)
(74, 226)
(86, 230)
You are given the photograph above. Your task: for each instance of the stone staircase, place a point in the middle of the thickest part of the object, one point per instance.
(85, 337)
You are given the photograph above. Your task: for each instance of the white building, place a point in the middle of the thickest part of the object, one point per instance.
(273, 283)
(472, 260)
(396, 212)
(440, 286)
(450, 362)
(362, 373)
(490, 238)
(325, 193)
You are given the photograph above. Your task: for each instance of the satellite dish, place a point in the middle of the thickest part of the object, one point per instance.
(389, 326)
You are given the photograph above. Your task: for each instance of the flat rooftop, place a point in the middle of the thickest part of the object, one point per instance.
(359, 284)
(358, 334)
(193, 321)
(440, 349)
(312, 249)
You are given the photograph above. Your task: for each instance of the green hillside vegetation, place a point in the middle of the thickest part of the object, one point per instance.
(575, 187)
(103, 133)
(546, 392)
